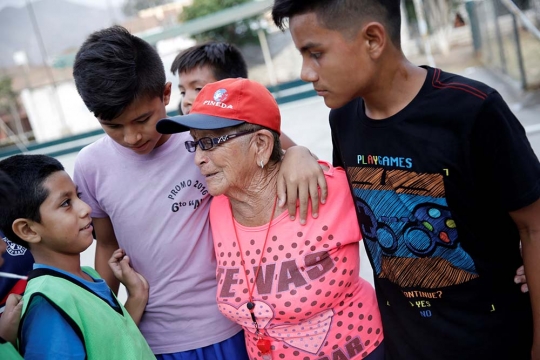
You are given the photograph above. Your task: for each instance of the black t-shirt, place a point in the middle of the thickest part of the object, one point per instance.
(433, 186)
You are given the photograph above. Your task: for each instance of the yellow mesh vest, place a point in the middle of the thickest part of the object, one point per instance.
(106, 333)
(8, 352)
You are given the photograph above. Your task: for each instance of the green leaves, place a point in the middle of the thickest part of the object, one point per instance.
(239, 33)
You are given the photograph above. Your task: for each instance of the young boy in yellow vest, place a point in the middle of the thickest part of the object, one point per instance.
(68, 311)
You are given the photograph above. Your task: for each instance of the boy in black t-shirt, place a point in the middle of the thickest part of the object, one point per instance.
(444, 180)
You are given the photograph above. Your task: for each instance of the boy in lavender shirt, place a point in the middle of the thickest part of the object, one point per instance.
(149, 198)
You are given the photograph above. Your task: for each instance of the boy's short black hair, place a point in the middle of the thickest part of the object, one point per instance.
(225, 60)
(7, 190)
(113, 68)
(28, 173)
(343, 15)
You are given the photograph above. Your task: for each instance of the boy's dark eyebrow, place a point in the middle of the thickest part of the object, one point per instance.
(68, 193)
(64, 194)
(308, 46)
(190, 83)
(142, 116)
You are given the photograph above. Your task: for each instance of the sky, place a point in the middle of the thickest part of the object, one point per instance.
(95, 3)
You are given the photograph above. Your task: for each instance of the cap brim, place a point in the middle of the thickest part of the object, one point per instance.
(182, 123)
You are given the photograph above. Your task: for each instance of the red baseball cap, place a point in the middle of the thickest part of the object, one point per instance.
(225, 103)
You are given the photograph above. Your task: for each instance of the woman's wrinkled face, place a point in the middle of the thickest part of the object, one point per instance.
(230, 164)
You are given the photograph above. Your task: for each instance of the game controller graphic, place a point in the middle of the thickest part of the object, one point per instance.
(429, 226)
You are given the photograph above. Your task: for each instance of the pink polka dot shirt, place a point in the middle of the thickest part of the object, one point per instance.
(309, 298)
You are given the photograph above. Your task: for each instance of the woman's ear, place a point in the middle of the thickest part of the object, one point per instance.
(23, 228)
(264, 140)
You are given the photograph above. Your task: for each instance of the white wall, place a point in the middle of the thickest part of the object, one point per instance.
(57, 112)
(43, 104)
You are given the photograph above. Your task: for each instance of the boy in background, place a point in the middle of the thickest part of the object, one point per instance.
(12, 306)
(207, 63)
(68, 311)
(154, 203)
(17, 261)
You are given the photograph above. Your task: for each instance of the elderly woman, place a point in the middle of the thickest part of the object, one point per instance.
(295, 289)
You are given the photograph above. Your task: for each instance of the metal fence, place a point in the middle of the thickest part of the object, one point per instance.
(507, 38)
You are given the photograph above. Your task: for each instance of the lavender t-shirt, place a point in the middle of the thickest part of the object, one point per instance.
(158, 204)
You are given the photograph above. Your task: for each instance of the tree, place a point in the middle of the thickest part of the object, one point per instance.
(132, 7)
(240, 32)
(7, 95)
(9, 108)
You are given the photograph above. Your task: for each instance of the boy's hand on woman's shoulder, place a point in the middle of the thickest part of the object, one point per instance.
(300, 179)
(521, 279)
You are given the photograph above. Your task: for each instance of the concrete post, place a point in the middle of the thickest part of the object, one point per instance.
(422, 26)
(470, 5)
